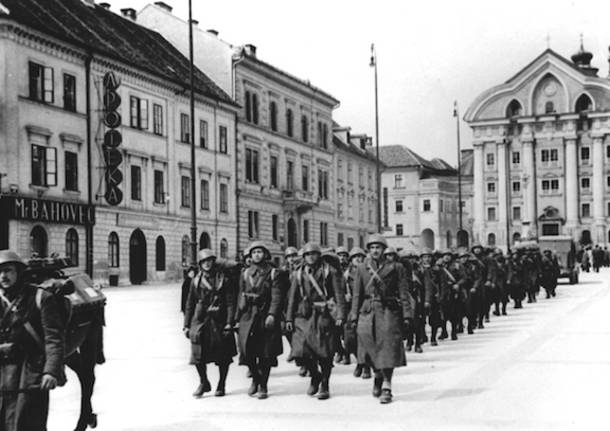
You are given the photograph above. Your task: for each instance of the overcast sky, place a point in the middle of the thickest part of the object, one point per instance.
(430, 53)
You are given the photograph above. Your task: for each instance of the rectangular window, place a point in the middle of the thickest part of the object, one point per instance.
(305, 230)
(608, 209)
(440, 205)
(398, 181)
(323, 233)
(323, 184)
(273, 116)
(398, 206)
(546, 185)
(41, 83)
(305, 177)
(385, 207)
(608, 151)
(273, 172)
(290, 175)
(585, 210)
(138, 113)
(224, 198)
(544, 156)
(554, 155)
(253, 224)
(584, 154)
(585, 183)
(159, 187)
(222, 140)
(69, 92)
(136, 183)
(158, 119)
(251, 107)
(203, 134)
(185, 189)
(516, 187)
(426, 205)
(491, 187)
(251, 166)
(399, 230)
(185, 127)
(554, 184)
(607, 181)
(491, 214)
(71, 170)
(274, 227)
(516, 213)
(490, 159)
(44, 166)
(340, 239)
(360, 176)
(516, 157)
(205, 195)
(289, 123)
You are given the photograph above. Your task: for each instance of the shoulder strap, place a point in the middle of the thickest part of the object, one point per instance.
(38, 298)
(314, 283)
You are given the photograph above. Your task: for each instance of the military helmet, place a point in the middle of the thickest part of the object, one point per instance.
(342, 250)
(258, 244)
(300, 252)
(311, 247)
(390, 250)
(291, 251)
(464, 253)
(426, 252)
(476, 246)
(9, 256)
(356, 251)
(446, 251)
(205, 254)
(376, 238)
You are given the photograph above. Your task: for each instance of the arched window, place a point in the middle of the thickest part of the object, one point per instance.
(491, 239)
(113, 250)
(549, 107)
(304, 128)
(514, 109)
(516, 237)
(462, 238)
(160, 254)
(583, 104)
(427, 238)
(204, 241)
(273, 116)
(72, 246)
(224, 248)
(585, 237)
(39, 241)
(186, 250)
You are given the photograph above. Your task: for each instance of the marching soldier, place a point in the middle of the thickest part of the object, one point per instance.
(357, 256)
(481, 283)
(27, 373)
(390, 255)
(258, 314)
(500, 293)
(415, 332)
(530, 274)
(381, 305)
(208, 322)
(550, 272)
(515, 278)
(344, 260)
(452, 281)
(432, 300)
(316, 305)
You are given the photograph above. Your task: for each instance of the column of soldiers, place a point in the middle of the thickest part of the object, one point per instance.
(341, 305)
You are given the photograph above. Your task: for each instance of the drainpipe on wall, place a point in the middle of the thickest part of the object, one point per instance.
(88, 226)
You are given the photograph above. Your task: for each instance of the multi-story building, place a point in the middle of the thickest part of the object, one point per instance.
(106, 179)
(420, 201)
(356, 188)
(542, 153)
(285, 164)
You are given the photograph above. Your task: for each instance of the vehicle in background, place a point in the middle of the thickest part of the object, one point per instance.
(566, 250)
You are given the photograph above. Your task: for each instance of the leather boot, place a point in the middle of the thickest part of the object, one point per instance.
(314, 384)
(386, 396)
(377, 386)
(253, 387)
(358, 371)
(324, 393)
(366, 372)
(202, 389)
(302, 371)
(418, 349)
(262, 392)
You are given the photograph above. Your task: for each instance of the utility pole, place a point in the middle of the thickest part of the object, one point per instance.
(192, 139)
(459, 169)
(373, 64)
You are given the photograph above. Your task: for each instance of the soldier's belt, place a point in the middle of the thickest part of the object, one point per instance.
(254, 298)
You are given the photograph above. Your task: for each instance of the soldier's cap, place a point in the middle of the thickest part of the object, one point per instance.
(342, 250)
(9, 256)
(311, 248)
(291, 251)
(390, 250)
(205, 254)
(356, 251)
(426, 252)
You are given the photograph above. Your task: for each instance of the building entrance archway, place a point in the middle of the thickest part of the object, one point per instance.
(427, 238)
(137, 257)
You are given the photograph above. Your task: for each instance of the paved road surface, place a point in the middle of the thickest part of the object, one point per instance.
(544, 367)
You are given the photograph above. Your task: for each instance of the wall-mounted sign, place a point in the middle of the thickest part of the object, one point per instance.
(42, 210)
(112, 140)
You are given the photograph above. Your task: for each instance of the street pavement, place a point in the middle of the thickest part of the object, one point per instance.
(546, 366)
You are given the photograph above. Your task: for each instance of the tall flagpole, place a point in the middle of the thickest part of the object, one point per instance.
(373, 64)
(192, 139)
(459, 166)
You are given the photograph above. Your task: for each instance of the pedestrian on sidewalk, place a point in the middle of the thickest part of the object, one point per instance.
(258, 313)
(189, 274)
(208, 321)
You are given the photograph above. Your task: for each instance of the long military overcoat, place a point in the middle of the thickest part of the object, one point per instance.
(28, 410)
(314, 334)
(381, 303)
(210, 307)
(259, 296)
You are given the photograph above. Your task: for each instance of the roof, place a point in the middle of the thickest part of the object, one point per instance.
(545, 52)
(399, 156)
(103, 32)
(352, 148)
(440, 164)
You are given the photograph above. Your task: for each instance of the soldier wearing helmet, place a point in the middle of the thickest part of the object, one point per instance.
(23, 364)
(430, 278)
(208, 321)
(549, 272)
(343, 254)
(451, 284)
(381, 306)
(500, 292)
(390, 254)
(316, 303)
(415, 332)
(259, 313)
(515, 277)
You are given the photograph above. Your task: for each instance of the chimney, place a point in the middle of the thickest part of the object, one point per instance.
(129, 13)
(164, 6)
(250, 50)
(212, 32)
(105, 5)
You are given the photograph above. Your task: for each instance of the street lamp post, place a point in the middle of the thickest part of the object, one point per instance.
(192, 112)
(373, 64)
(459, 170)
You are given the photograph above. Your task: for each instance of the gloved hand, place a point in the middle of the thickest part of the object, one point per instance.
(185, 331)
(270, 322)
(289, 327)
